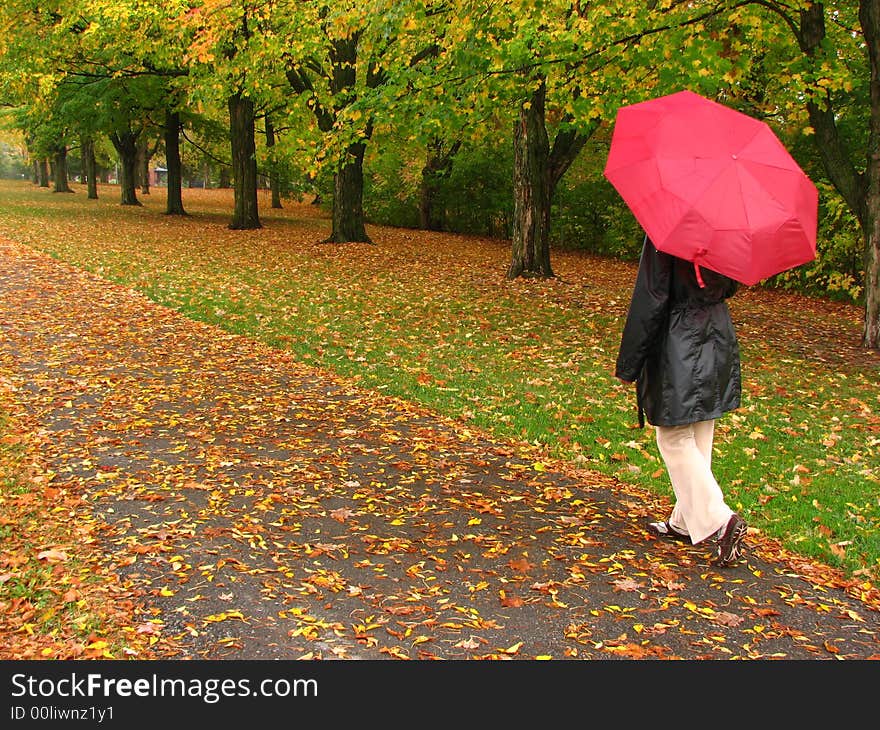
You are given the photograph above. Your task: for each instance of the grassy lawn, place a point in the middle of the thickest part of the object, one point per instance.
(430, 317)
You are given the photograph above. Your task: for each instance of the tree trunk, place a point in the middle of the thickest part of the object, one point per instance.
(861, 191)
(274, 182)
(36, 172)
(869, 17)
(143, 165)
(244, 163)
(174, 199)
(537, 172)
(90, 167)
(871, 332)
(125, 142)
(348, 198)
(530, 247)
(348, 179)
(437, 166)
(44, 173)
(59, 170)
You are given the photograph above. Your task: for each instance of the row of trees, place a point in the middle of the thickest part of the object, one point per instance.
(304, 88)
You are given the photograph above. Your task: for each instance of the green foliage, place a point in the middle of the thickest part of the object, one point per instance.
(454, 70)
(588, 213)
(474, 197)
(391, 185)
(838, 271)
(422, 70)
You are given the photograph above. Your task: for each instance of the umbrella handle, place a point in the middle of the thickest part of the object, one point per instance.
(699, 276)
(700, 252)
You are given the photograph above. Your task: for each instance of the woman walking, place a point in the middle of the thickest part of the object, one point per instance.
(680, 348)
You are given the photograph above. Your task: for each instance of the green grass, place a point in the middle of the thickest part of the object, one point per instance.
(431, 318)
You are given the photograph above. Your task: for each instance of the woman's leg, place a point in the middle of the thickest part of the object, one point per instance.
(699, 502)
(704, 433)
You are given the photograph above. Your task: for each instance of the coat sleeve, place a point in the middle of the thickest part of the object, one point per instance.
(647, 315)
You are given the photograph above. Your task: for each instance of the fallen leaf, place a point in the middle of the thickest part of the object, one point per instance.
(52, 556)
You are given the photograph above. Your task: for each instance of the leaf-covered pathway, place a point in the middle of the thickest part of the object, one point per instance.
(255, 508)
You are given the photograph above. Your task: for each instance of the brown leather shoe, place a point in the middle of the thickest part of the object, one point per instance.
(728, 547)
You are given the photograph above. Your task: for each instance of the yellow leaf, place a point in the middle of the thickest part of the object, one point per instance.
(216, 617)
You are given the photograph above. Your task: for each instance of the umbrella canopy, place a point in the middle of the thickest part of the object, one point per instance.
(712, 185)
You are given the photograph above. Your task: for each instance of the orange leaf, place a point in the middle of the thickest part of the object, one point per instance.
(520, 565)
(511, 601)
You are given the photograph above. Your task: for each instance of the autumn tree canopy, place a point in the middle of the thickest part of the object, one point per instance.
(323, 79)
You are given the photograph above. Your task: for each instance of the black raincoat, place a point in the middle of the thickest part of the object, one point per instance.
(678, 342)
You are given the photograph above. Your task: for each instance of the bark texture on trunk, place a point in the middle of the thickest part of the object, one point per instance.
(174, 191)
(125, 143)
(538, 168)
(530, 251)
(90, 167)
(142, 174)
(348, 198)
(144, 158)
(348, 182)
(44, 173)
(244, 163)
(869, 17)
(59, 170)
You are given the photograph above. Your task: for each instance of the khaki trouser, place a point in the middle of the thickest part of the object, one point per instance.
(699, 509)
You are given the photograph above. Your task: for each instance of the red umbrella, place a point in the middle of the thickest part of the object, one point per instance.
(712, 185)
